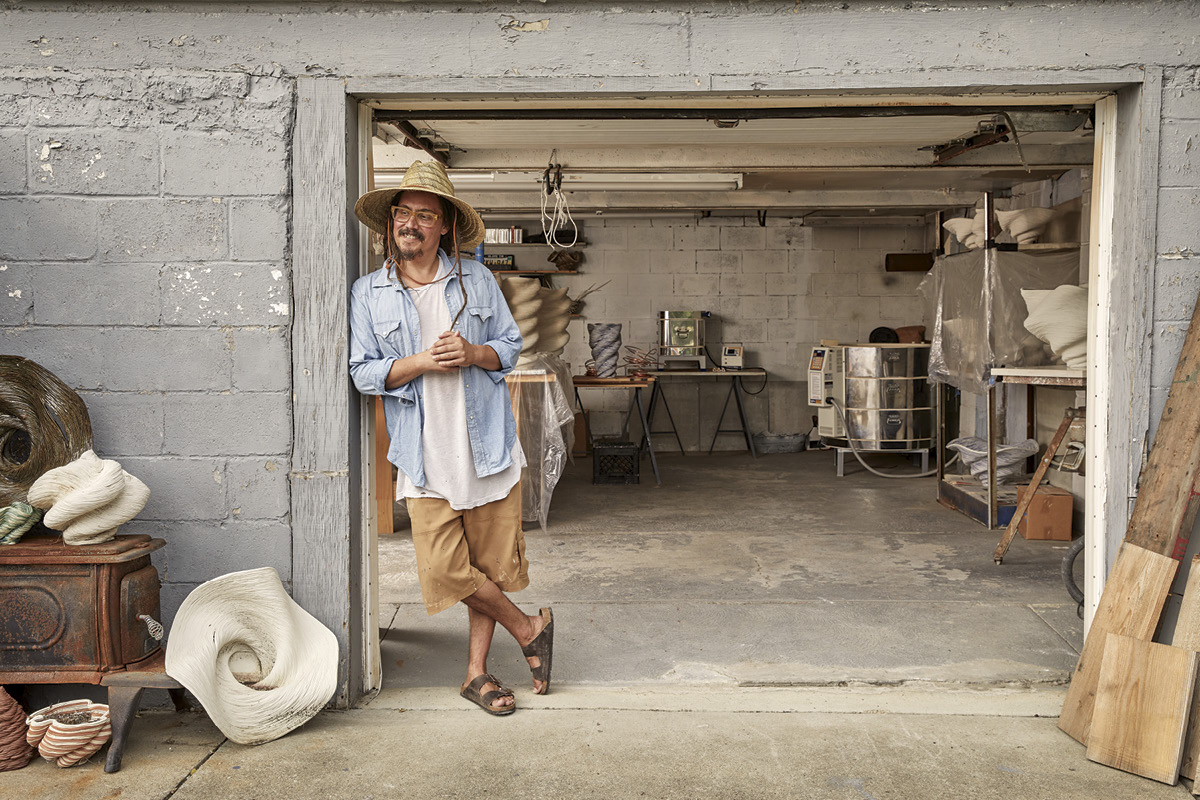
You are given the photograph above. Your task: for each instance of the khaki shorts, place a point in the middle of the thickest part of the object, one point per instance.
(458, 550)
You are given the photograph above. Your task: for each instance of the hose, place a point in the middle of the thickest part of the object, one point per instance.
(854, 449)
(1068, 573)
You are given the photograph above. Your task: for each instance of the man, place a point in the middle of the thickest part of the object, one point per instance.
(431, 332)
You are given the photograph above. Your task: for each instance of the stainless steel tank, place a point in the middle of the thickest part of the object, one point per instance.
(681, 337)
(889, 402)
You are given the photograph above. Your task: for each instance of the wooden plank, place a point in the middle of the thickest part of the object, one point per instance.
(1142, 702)
(1171, 469)
(1131, 604)
(1187, 636)
(385, 487)
(1024, 503)
(907, 262)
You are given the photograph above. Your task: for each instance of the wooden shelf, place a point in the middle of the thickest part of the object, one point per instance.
(502, 246)
(533, 273)
(1038, 247)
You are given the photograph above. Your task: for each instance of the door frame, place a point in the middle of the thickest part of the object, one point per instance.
(334, 529)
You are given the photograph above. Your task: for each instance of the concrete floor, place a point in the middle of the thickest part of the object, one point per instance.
(762, 572)
(751, 629)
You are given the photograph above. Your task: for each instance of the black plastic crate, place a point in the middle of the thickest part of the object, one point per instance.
(615, 462)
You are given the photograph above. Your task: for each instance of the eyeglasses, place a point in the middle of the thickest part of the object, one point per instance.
(426, 219)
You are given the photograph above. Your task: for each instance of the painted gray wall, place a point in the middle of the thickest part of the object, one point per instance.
(155, 277)
(145, 262)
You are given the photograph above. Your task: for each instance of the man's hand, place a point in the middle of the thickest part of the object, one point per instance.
(452, 351)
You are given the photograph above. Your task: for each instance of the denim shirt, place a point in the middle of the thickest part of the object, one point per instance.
(384, 327)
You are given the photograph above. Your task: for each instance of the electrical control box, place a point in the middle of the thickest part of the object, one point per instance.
(826, 379)
(731, 356)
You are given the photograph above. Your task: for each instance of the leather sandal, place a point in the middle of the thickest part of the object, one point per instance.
(542, 647)
(484, 701)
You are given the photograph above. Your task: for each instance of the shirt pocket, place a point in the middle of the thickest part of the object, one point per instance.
(477, 323)
(390, 335)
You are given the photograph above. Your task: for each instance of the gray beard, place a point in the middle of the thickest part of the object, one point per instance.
(407, 255)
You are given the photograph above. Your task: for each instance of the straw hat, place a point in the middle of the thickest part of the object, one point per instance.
(374, 208)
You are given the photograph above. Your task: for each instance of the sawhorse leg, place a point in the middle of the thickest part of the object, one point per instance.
(735, 391)
(637, 399)
(655, 394)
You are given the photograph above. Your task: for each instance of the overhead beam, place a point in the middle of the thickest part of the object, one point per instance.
(720, 112)
(415, 140)
(741, 158)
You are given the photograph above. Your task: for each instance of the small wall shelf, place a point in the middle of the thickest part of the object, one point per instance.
(535, 273)
(502, 246)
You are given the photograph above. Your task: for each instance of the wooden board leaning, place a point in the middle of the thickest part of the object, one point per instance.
(1136, 591)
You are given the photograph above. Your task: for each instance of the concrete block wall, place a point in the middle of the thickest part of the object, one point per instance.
(1177, 267)
(777, 289)
(146, 263)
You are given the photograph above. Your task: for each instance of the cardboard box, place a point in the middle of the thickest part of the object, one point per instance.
(1049, 515)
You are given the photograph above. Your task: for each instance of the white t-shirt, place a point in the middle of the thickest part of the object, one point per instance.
(445, 444)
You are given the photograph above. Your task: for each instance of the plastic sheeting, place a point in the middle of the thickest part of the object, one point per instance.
(540, 392)
(978, 313)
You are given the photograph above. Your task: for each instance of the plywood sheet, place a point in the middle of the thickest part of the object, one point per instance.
(1143, 698)
(1187, 636)
(1131, 604)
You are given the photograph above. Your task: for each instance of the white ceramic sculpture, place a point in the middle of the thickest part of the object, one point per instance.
(1025, 224)
(70, 732)
(259, 663)
(88, 498)
(969, 232)
(1059, 318)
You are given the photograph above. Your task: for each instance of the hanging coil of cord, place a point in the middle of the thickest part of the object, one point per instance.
(556, 214)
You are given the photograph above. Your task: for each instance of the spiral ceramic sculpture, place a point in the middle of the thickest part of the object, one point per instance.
(43, 424)
(16, 520)
(15, 751)
(553, 318)
(524, 301)
(68, 733)
(88, 498)
(259, 663)
(605, 341)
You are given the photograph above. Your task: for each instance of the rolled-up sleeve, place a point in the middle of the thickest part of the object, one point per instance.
(369, 366)
(503, 334)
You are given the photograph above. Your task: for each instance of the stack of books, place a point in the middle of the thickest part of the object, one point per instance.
(513, 235)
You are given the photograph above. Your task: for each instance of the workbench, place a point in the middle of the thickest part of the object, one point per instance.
(736, 391)
(634, 383)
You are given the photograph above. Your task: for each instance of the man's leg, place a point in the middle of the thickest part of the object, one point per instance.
(480, 642)
(492, 603)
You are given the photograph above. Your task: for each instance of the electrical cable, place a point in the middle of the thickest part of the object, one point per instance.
(553, 221)
(854, 448)
(761, 389)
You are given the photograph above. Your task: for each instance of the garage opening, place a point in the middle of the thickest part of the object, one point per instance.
(793, 235)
